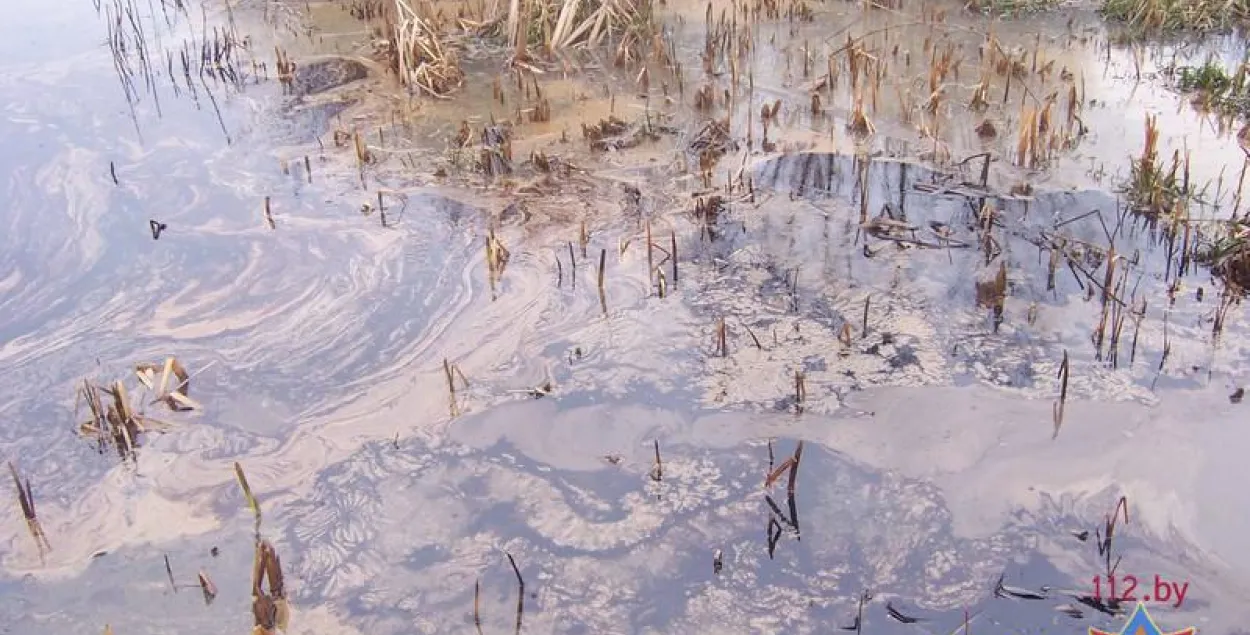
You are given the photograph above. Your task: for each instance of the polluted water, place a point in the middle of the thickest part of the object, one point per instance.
(376, 316)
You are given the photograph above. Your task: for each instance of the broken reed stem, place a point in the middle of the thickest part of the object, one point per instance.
(1058, 407)
(451, 386)
(520, 599)
(269, 215)
(247, 492)
(477, 604)
(650, 259)
(207, 586)
(867, 303)
(800, 390)
(24, 497)
(754, 339)
(672, 237)
(657, 470)
(26, 500)
(603, 300)
(722, 340)
(169, 571)
(573, 264)
(794, 469)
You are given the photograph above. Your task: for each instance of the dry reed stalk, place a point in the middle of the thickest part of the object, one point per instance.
(1026, 137)
(794, 468)
(247, 492)
(169, 571)
(421, 60)
(207, 587)
(270, 610)
(269, 215)
(722, 342)
(26, 500)
(452, 371)
(800, 391)
(477, 605)
(1059, 406)
(657, 468)
(603, 258)
(672, 236)
(650, 263)
(520, 598)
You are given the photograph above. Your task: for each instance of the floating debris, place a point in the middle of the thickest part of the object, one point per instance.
(156, 229)
(207, 586)
(176, 397)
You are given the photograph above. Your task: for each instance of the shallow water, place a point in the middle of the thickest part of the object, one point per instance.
(322, 344)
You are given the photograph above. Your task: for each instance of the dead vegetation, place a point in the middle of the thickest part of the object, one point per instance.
(270, 610)
(420, 54)
(26, 500)
(1174, 15)
(118, 419)
(421, 39)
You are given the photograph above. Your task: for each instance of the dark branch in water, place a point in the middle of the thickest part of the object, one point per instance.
(169, 571)
(520, 597)
(477, 603)
(1003, 591)
(864, 597)
(894, 613)
(657, 470)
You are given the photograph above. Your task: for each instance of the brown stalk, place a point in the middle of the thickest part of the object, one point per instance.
(672, 236)
(477, 605)
(247, 491)
(1058, 407)
(169, 571)
(794, 469)
(771, 479)
(650, 263)
(722, 343)
(269, 215)
(800, 390)
(520, 599)
(207, 586)
(603, 301)
(451, 386)
(26, 500)
(657, 470)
